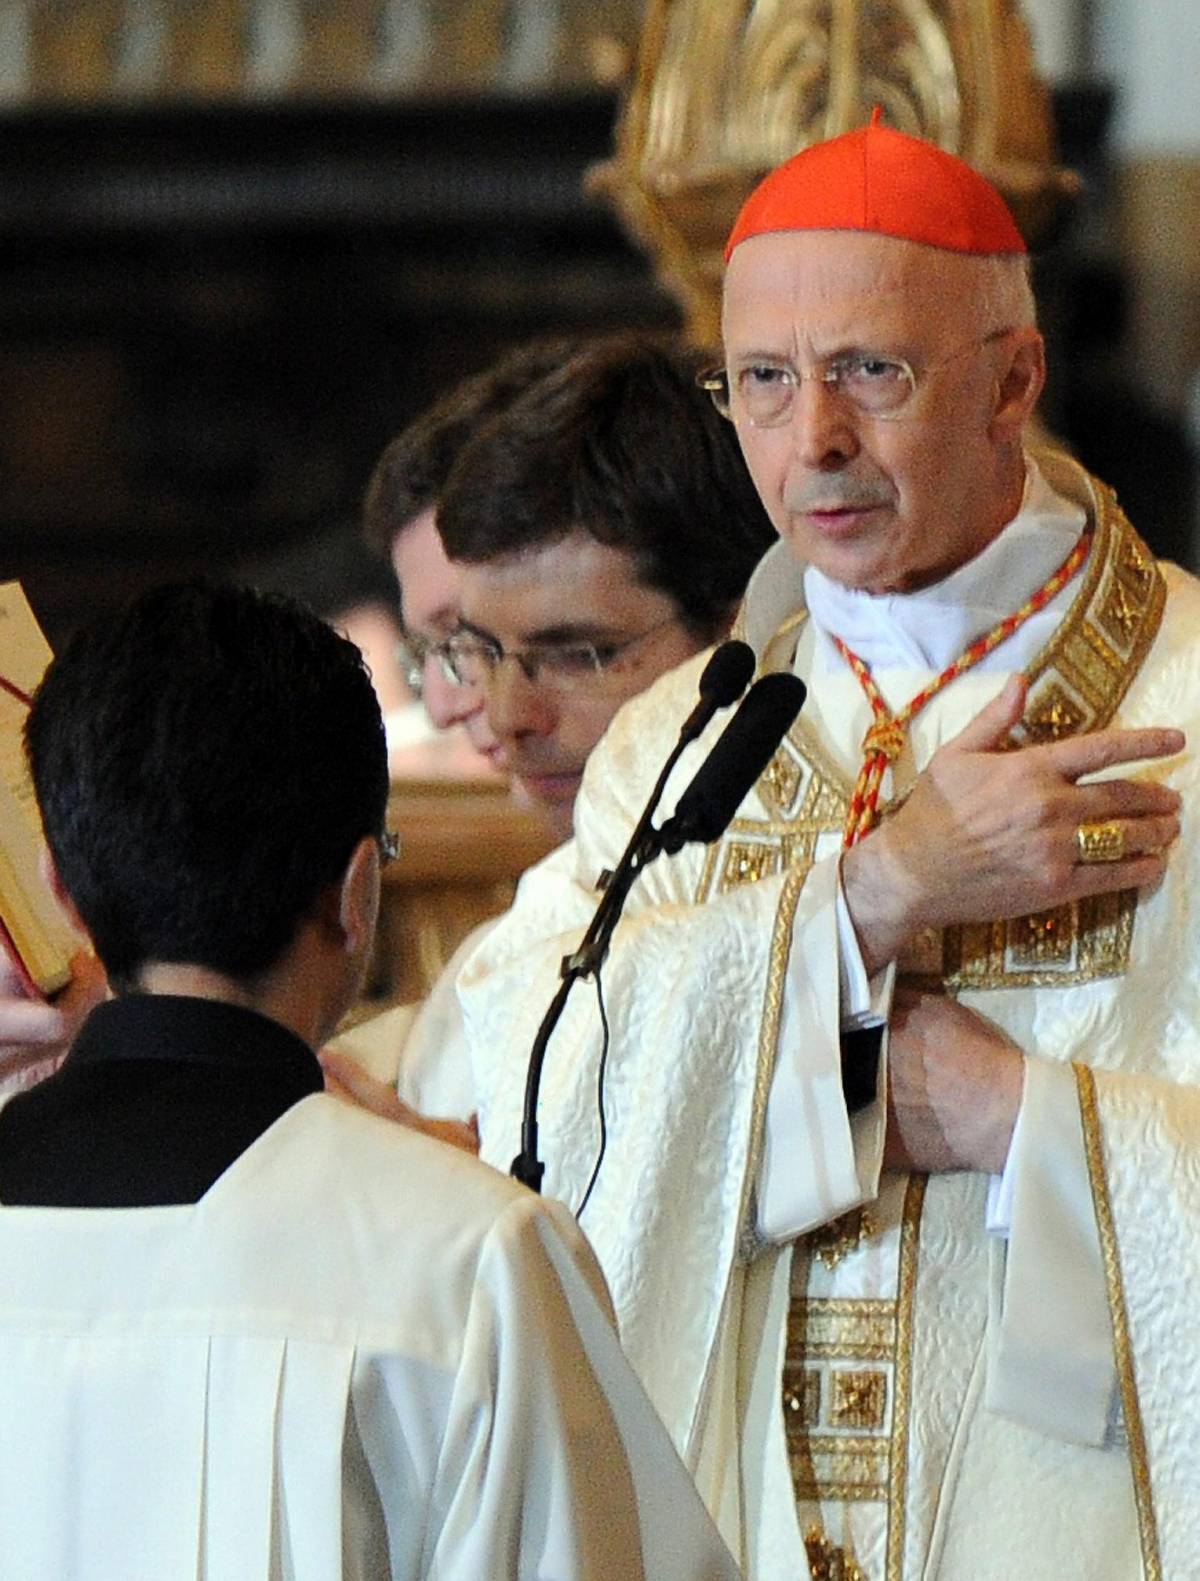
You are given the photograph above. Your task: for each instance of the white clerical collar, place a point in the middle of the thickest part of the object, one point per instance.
(928, 629)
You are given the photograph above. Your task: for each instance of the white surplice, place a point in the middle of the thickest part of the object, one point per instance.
(914, 1396)
(420, 1047)
(360, 1354)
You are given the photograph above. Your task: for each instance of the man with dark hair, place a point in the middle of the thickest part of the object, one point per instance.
(287, 1367)
(215, 867)
(601, 530)
(604, 527)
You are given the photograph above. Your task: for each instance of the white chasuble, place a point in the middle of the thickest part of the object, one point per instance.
(360, 1356)
(897, 1394)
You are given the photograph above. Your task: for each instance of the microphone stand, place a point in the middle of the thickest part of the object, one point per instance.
(644, 845)
(724, 679)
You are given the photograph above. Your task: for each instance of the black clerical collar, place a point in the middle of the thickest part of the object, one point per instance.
(157, 1098)
(188, 1030)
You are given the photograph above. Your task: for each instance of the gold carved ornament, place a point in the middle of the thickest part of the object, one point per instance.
(725, 90)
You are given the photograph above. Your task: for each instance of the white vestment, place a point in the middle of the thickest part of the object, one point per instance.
(360, 1354)
(420, 1047)
(914, 1397)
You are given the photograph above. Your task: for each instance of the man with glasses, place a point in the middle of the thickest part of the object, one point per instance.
(938, 1334)
(399, 522)
(532, 477)
(600, 529)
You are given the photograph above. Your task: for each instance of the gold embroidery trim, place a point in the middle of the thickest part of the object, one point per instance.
(801, 743)
(834, 1418)
(1092, 939)
(792, 624)
(826, 1562)
(1119, 560)
(748, 862)
(833, 1242)
(734, 860)
(858, 1399)
(850, 1470)
(824, 1329)
(781, 943)
(836, 1467)
(1139, 1460)
(910, 1226)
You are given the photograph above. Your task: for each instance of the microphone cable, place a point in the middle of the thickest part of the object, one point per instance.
(705, 810)
(702, 814)
(604, 1047)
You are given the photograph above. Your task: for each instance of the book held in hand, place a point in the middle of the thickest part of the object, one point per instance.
(33, 928)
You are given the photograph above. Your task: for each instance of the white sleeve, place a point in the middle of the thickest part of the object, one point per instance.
(864, 1001)
(1050, 1362)
(817, 1160)
(554, 1466)
(422, 1047)
(434, 1072)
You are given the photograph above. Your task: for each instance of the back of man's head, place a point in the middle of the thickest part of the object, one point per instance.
(621, 444)
(205, 765)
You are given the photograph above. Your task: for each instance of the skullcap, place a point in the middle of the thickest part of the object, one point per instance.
(876, 179)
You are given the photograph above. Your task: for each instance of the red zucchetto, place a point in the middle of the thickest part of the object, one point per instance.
(876, 179)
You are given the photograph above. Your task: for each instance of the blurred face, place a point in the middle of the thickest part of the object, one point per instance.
(881, 503)
(429, 587)
(548, 603)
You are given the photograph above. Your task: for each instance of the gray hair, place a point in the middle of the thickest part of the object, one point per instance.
(1006, 297)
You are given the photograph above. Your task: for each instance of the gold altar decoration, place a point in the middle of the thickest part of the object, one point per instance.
(724, 90)
(463, 846)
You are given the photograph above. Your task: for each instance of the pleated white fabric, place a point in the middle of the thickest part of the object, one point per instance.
(360, 1355)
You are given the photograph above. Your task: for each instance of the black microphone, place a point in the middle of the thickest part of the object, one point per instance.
(742, 752)
(725, 677)
(722, 682)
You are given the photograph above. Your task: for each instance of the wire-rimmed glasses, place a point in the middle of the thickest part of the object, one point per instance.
(763, 392)
(470, 659)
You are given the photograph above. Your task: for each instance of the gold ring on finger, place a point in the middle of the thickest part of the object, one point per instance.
(1102, 841)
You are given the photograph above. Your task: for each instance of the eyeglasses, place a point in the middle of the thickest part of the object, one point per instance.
(389, 845)
(470, 660)
(763, 394)
(413, 652)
